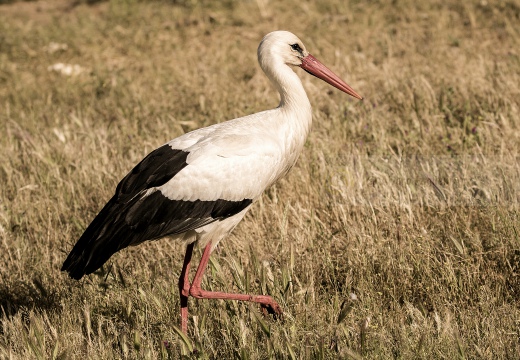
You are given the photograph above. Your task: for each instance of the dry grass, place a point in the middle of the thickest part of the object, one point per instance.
(396, 235)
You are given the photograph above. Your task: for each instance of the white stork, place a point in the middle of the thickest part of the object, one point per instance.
(199, 186)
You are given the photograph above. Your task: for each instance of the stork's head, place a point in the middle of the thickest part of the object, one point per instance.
(283, 47)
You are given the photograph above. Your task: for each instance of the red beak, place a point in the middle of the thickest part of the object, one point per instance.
(316, 68)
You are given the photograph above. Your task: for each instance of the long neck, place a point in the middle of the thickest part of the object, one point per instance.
(292, 94)
(294, 109)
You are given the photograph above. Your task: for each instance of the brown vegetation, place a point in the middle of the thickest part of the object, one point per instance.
(395, 236)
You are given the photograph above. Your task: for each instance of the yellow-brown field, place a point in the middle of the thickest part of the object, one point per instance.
(397, 234)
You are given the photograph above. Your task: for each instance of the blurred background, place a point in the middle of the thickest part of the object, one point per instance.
(396, 235)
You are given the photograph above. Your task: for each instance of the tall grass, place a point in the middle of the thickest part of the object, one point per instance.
(395, 236)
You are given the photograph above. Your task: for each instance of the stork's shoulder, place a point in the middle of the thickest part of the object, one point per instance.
(240, 126)
(190, 138)
(236, 134)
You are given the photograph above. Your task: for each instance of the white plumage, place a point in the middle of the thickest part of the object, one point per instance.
(200, 185)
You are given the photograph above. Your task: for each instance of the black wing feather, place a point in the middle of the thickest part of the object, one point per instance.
(133, 216)
(156, 169)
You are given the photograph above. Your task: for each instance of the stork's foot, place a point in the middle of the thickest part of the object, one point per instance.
(272, 309)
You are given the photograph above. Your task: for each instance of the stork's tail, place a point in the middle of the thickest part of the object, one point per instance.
(98, 243)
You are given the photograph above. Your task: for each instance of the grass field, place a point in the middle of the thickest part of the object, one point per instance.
(397, 234)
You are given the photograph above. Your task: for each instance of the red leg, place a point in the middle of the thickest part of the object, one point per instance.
(266, 301)
(184, 287)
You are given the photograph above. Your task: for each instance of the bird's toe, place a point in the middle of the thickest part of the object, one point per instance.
(272, 309)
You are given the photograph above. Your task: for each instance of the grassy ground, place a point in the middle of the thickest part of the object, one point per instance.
(395, 236)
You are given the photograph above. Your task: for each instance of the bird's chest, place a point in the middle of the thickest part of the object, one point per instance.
(293, 143)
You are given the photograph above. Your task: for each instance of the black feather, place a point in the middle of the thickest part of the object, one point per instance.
(132, 216)
(156, 169)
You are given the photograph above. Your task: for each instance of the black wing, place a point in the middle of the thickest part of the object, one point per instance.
(133, 216)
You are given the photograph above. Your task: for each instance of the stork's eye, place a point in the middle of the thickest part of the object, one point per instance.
(296, 47)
